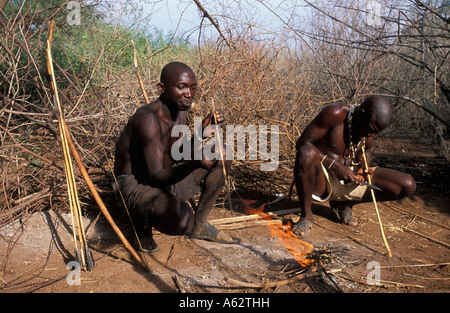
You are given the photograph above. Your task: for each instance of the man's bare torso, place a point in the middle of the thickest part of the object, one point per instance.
(330, 133)
(128, 148)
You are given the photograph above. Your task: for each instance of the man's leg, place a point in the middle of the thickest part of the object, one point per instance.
(213, 182)
(137, 201)
(168, 214)
(172, 215)
(309, 179)
(345, 212)
(394, 185)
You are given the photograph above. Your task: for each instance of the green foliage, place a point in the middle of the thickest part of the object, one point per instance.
(95, 46)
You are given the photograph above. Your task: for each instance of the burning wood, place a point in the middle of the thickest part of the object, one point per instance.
(298, 248)
(283, 282)
(308, 258)
(310, 271)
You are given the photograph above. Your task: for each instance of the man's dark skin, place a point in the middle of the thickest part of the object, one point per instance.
(144, 150)
(327, 138)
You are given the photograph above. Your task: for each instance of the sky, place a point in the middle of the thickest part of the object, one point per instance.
(184, 17)
(171, 15)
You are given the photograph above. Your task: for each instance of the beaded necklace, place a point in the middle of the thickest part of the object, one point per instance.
(352, 146)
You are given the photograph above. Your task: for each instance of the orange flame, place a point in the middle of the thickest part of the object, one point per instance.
(298, 248)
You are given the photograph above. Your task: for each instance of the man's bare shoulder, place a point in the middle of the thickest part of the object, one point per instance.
(145, 114)
(332, 114)
(145, 122)
(336, 109)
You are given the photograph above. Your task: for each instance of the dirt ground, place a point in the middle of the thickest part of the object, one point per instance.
(34, 252)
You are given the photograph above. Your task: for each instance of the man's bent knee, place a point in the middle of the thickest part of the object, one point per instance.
(173, 216)
(306, 156)
(409, 187)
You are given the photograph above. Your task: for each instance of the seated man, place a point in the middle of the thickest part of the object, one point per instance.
(329, 159)
(153, 187)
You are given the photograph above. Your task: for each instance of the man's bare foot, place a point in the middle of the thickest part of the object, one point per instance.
(302, 228)
(211, 233)
(347, 218)
(146, 244)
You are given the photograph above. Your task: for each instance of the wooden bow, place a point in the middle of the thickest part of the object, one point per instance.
(375, 204)
(77, 157)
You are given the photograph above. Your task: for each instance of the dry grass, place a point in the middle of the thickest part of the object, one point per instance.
(253, 82)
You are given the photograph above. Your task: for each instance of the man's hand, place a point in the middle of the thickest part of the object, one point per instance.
(214, 117)
(207, 164)
(343, 172)
(362, 174)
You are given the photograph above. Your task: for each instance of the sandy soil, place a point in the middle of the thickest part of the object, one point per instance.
(34, 252)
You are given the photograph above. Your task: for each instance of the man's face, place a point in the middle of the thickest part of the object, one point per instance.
(180, 89)
(371, 127)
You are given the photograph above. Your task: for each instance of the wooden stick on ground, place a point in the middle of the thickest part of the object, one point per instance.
(376, 206)
(250, 224)
(381, 283)
(427, 237)
(272, 284)
(403, 211)
(244, 218)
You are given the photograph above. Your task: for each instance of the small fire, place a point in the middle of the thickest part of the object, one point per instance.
(298, 248)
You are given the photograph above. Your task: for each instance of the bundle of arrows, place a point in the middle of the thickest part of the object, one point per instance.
(83, 254)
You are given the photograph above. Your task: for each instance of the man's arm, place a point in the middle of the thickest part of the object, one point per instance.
(315, 132)
(149, 131)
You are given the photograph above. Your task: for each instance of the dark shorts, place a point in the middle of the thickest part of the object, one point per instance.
(139, 198)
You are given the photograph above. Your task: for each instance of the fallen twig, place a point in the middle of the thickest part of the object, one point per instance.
(416, 265)
(179, 284)
(427, 237)
(381, 283)
(403, 211)
(314, 272)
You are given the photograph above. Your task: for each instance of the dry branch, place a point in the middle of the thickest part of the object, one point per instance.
(177, 281)
(211, 19)
(272, 284)
(138, 74)
(26, 201)
(311, 273)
